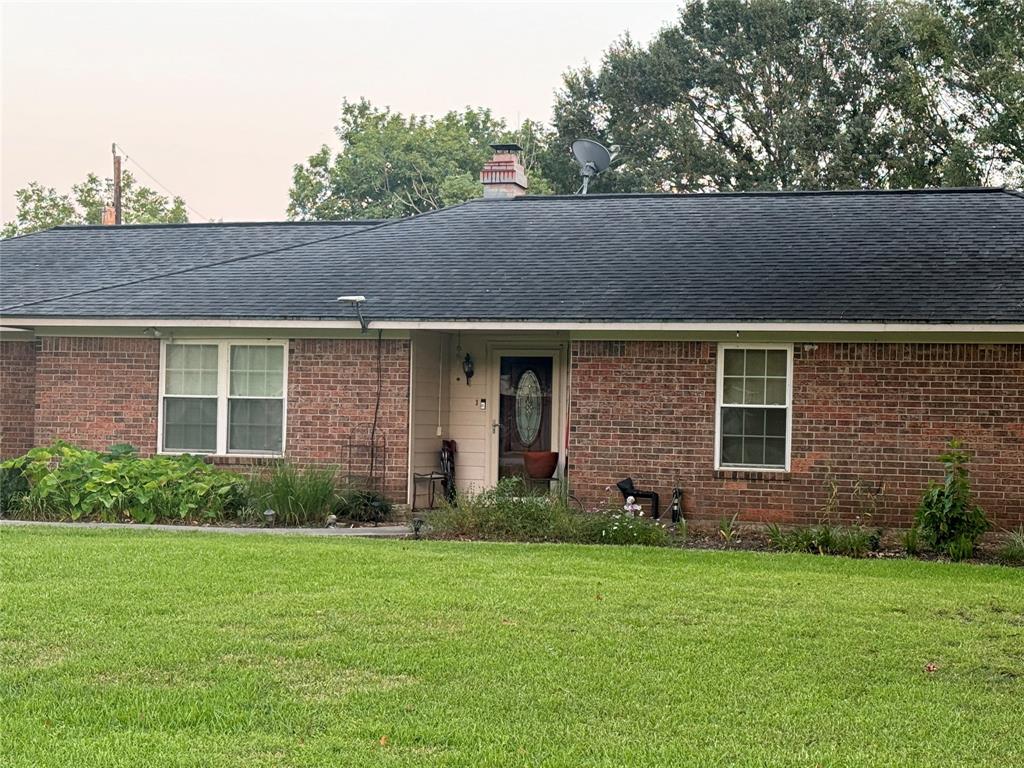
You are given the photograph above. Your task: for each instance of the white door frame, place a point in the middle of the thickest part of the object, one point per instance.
(556, 351)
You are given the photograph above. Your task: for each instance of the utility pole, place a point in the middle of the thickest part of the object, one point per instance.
(117, 184)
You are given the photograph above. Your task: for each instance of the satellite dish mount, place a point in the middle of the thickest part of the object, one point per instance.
(592, 159)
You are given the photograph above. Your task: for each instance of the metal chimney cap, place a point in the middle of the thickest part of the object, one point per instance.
(506, 148)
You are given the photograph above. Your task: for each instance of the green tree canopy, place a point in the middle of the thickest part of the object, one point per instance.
(41, 207)
(389, 165)
(781, 94)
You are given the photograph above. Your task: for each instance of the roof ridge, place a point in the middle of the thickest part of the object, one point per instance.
(758, 193)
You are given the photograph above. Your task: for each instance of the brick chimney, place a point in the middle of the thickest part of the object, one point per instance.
(109, 218)
(504, 176)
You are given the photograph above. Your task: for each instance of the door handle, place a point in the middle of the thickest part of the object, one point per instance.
(495, 426)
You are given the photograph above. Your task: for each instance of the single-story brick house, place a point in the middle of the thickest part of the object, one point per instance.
(752, 349)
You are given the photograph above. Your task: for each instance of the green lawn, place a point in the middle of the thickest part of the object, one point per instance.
(144, 649)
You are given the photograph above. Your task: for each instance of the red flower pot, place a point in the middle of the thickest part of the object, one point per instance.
(540, 464)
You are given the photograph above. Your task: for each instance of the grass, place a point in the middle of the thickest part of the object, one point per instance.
(123, 648)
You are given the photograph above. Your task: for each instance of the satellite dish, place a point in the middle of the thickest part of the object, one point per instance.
(592, 158)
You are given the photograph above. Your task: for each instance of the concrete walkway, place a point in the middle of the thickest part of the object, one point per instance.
(380, 532)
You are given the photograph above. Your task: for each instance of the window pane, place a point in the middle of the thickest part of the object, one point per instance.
(257, 371)
(753, 450)
(732, 390)
(775, 392)
(753, 391)
(775, 452)
(775, 422)
(755, 362)
(734, 362)
(753, 421)
(254, 426)
(190, 424)
(732, 421)
(777, 362)
(732, 450)
(190, 369)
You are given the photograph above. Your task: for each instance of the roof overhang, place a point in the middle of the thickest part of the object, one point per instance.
(810, 328)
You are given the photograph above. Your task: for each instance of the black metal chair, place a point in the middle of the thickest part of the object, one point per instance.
(446, 476)
(629, 489)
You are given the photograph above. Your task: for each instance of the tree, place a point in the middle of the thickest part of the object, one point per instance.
(974, 49)
(41, 207)
(389, 165)
(773, 94)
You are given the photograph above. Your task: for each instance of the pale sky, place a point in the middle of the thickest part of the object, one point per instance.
(219, 100)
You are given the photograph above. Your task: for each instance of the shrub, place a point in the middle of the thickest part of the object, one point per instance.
(1012, 552)
(65, 481)
(13, 487)
(948, 518)
(303, 496)
(362, 506)
(507, 512)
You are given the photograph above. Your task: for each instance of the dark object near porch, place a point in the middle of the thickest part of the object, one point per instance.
(446, 476)
(448, 469)
(540, 464)
(628, 489)
(676, 508)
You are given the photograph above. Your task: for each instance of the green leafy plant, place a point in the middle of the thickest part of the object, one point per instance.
(1012, 551)
(618, 527)
(298, 496)
(67, 482)
(948, 518)
(776, 536)
(912, 540)
(727, 529)
(362, 506)
(822, 539)
(13, 488)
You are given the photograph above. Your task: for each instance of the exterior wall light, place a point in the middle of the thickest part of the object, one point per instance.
(467, 367)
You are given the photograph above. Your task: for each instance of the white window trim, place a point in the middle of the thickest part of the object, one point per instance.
(223, 376)
(719, 388)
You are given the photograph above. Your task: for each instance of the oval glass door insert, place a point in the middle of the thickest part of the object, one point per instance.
(529, 401)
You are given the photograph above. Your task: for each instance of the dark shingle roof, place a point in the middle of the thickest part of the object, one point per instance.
(71, 259)
(949, 256)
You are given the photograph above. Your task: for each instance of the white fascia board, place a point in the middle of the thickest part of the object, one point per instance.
(556, 325)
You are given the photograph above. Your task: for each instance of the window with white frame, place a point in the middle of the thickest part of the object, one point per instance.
(754, 401)
(223, 397)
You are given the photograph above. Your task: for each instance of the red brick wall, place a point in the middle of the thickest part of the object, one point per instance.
(17, 396)
(332, 386)
(97, 391)
(873, 413)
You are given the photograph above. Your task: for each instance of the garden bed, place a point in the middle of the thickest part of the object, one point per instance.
(62, 482)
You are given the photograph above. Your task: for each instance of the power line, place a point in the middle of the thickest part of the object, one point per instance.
(159, 183)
